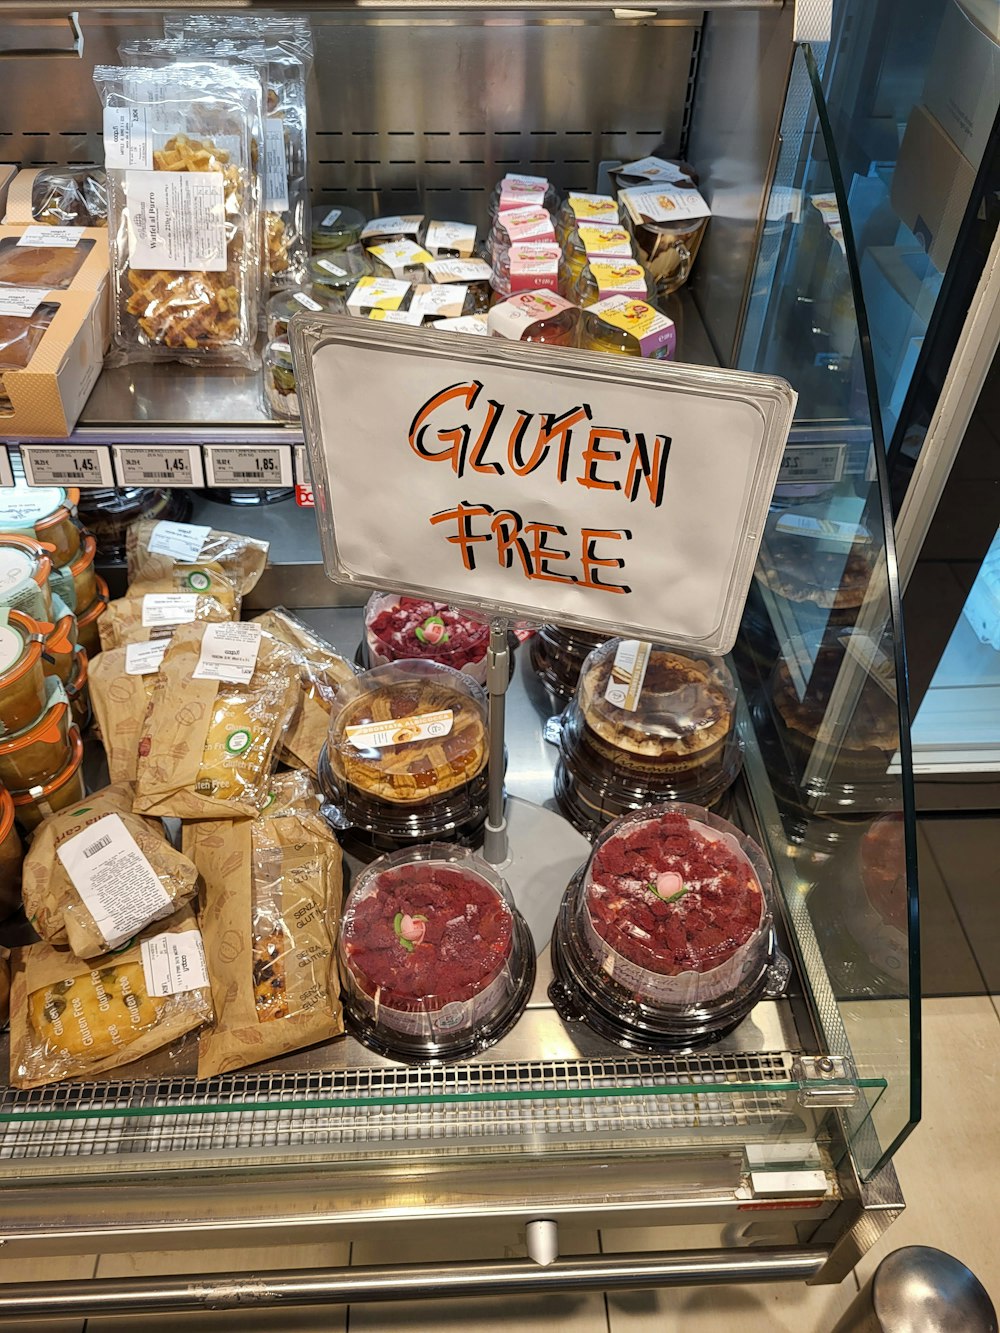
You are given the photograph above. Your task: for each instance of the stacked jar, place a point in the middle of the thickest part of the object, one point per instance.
(666, 217)
(50, 596)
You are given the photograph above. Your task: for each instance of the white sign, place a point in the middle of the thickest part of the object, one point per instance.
(58, 465)
(159, 465)
(605, 492)
(244, 465)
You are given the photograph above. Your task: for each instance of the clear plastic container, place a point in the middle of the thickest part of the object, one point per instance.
(403, 259)
(339, 272)
(59, 793)
(585, 210)
(22, 676)
(399, 628)
(11, 858)
(280, 392)
(335, 227)
(47, 513)
(70, 197)
(535, 317)
(449, 240)
(25, 566)
(109, 512)
(371, 293)
(816, 561)
(518, 191)
(34, 755)
(638, 734)
(628, 327)
(529, 225)
(87, 634)
(406, 756)
(383, 230)
(313, 300)
(475, 274)
(603, 277)
(436, 962)
(527, 266)
(664, 940)
(557, 656)
(667, 223)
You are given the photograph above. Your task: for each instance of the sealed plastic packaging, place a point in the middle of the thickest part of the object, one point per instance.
(271, 907)
(22, 674)
(647, 724)
(383, 230)
(515, 190)
(585, 210)
(122, 681)
(449, 240)
(71, 1019)
(155, 547)
(189, 290)
(95, 876)
(283, 305)
(280, 393)
(628, 327)
(210, 742)
(339, 272)
(140, 619)
(70, 197)
(11, 857)
(527, 266)
(371, 293)
(19, 338)
(397, 628)
(474, 274)
(536, 317)
(67, 788)
(557, 655)
(50, 268)
(38, 752)
(47, 513)
(437, 963)
(816, 562)
(601, 277)
(407, 755)
(664, 940)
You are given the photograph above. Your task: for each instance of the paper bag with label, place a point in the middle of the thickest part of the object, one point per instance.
(120, 699)
(155, 545)
(322, 671)
(140, 619)
(271, 903)
(203, 577)
(70, 1019)
(224, 696)
(96, 874)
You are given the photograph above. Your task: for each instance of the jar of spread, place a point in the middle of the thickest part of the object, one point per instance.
(335, 228)
(78, 691)
(11, 857)
(279, 381)
(339, 272)
(25, 566)
(535, 317)
(47, 513)
(667, 222)
(604, 277)
(87, 633)
(585, 210)
(59, 793)
(284, 305)
(34, 755)
(59, 641)
(22, 678)
(629, 327)
(83, 572)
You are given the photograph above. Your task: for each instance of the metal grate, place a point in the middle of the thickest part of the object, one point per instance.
(505, 1104)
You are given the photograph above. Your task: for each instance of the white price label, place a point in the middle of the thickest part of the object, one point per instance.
(240, 465)
(6, 471)
(422, 726)
(142, 659)
(181, 541)
(61, 238)
(628, 671)
(21, 302)
(169, 608)
(306, 301)
(169, 465)
(275, 166)
(331, 217)
(120, 888)
(812, 463)
(127, 141)
(330, 267)
(58, 465)
(174, 963)
(228, 652)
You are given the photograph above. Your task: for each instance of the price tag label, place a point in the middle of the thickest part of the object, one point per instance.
(52, 237)
(812, 463)
(245, 465)
(6, 471)
(167, 465)
(63, 465)
(21, 302)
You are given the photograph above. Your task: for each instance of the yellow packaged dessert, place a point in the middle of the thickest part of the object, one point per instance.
(121, 690)
(155, 545)
(137, 619)
(71, 1019)
(96, 874)
(270, 907)
(224, 697)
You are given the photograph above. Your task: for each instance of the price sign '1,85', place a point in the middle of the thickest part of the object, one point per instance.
(245, 465)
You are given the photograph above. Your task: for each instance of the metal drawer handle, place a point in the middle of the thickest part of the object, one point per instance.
(75, 49)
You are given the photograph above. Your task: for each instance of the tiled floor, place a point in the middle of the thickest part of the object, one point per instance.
(949, 1170)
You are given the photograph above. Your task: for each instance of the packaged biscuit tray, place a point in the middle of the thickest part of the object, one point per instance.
(183, 211)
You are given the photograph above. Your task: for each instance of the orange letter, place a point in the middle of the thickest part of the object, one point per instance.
(593, 455)
(506, 528)
(462, 514)
(591, 561)
(457, 438)
(542, 554)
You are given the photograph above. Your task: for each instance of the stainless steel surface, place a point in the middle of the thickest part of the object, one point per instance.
(497, 682)
(409, 1282)
(920, 1290)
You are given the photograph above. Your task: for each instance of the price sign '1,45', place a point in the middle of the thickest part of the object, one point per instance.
(65, 465)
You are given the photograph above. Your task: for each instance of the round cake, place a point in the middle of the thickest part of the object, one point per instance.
(413, 627)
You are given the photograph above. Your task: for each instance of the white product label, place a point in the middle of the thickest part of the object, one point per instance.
(628, 671)
(177, 220)
(525, 182)
(306, 301)
(142, 659)
(665, 204)
(380, 293)
(182, 541)
(439, 299)
(654, 169)
(330, 267)
(594, 208)
(460, 236)
(398, 317)
(275, 166)
(331, 217)
(169, 608)
(128, 145)
(119, 887)
(21, 510)
(377, 735)
(21, 301)
(600, 239)
(460, 270)
(228, 652)
(62, 238)
(174, 963)
(15, 568)
(394, 226)
(823, 529)
(618, 275)
(401, 255)
(474, 324)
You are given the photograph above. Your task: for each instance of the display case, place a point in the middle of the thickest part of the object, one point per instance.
(773, 1144)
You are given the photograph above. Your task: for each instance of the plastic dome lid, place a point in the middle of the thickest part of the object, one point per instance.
(398, 626)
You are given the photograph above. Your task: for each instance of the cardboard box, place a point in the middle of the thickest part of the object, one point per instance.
(962, 87)
(48, 394)
(931, 186)
(91, 274)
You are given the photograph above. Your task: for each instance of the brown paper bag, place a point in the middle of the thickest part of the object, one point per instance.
(271, 904)
(243, 559)
(120, 703)
(204, 577)
(127, 900)
(209, 747)
(70, 1019)
(122, 621)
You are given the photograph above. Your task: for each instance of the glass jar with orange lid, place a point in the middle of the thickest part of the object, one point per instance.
(22, 678)
(628, 327)
(25, 566)
(87, 634)
(78, 691)
(59, 635)
(59, 793)
(35, 754)
(47, 513)
(11, 857)
(535, 317)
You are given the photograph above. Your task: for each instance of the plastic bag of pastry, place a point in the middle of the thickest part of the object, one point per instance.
(223, 699)
(183, 211)
(96, 874)
(70, 197)
(147, 617)
(122, 681)
(270, 909)
(155, 546)
(322, 671)
(70, 1019)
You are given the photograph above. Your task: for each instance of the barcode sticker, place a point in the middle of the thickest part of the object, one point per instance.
(174, 963)
(169, 608)
(62, 238)
(275, 166)
(628, 671)
(228, 652)
(142, 659)
(116, 883)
